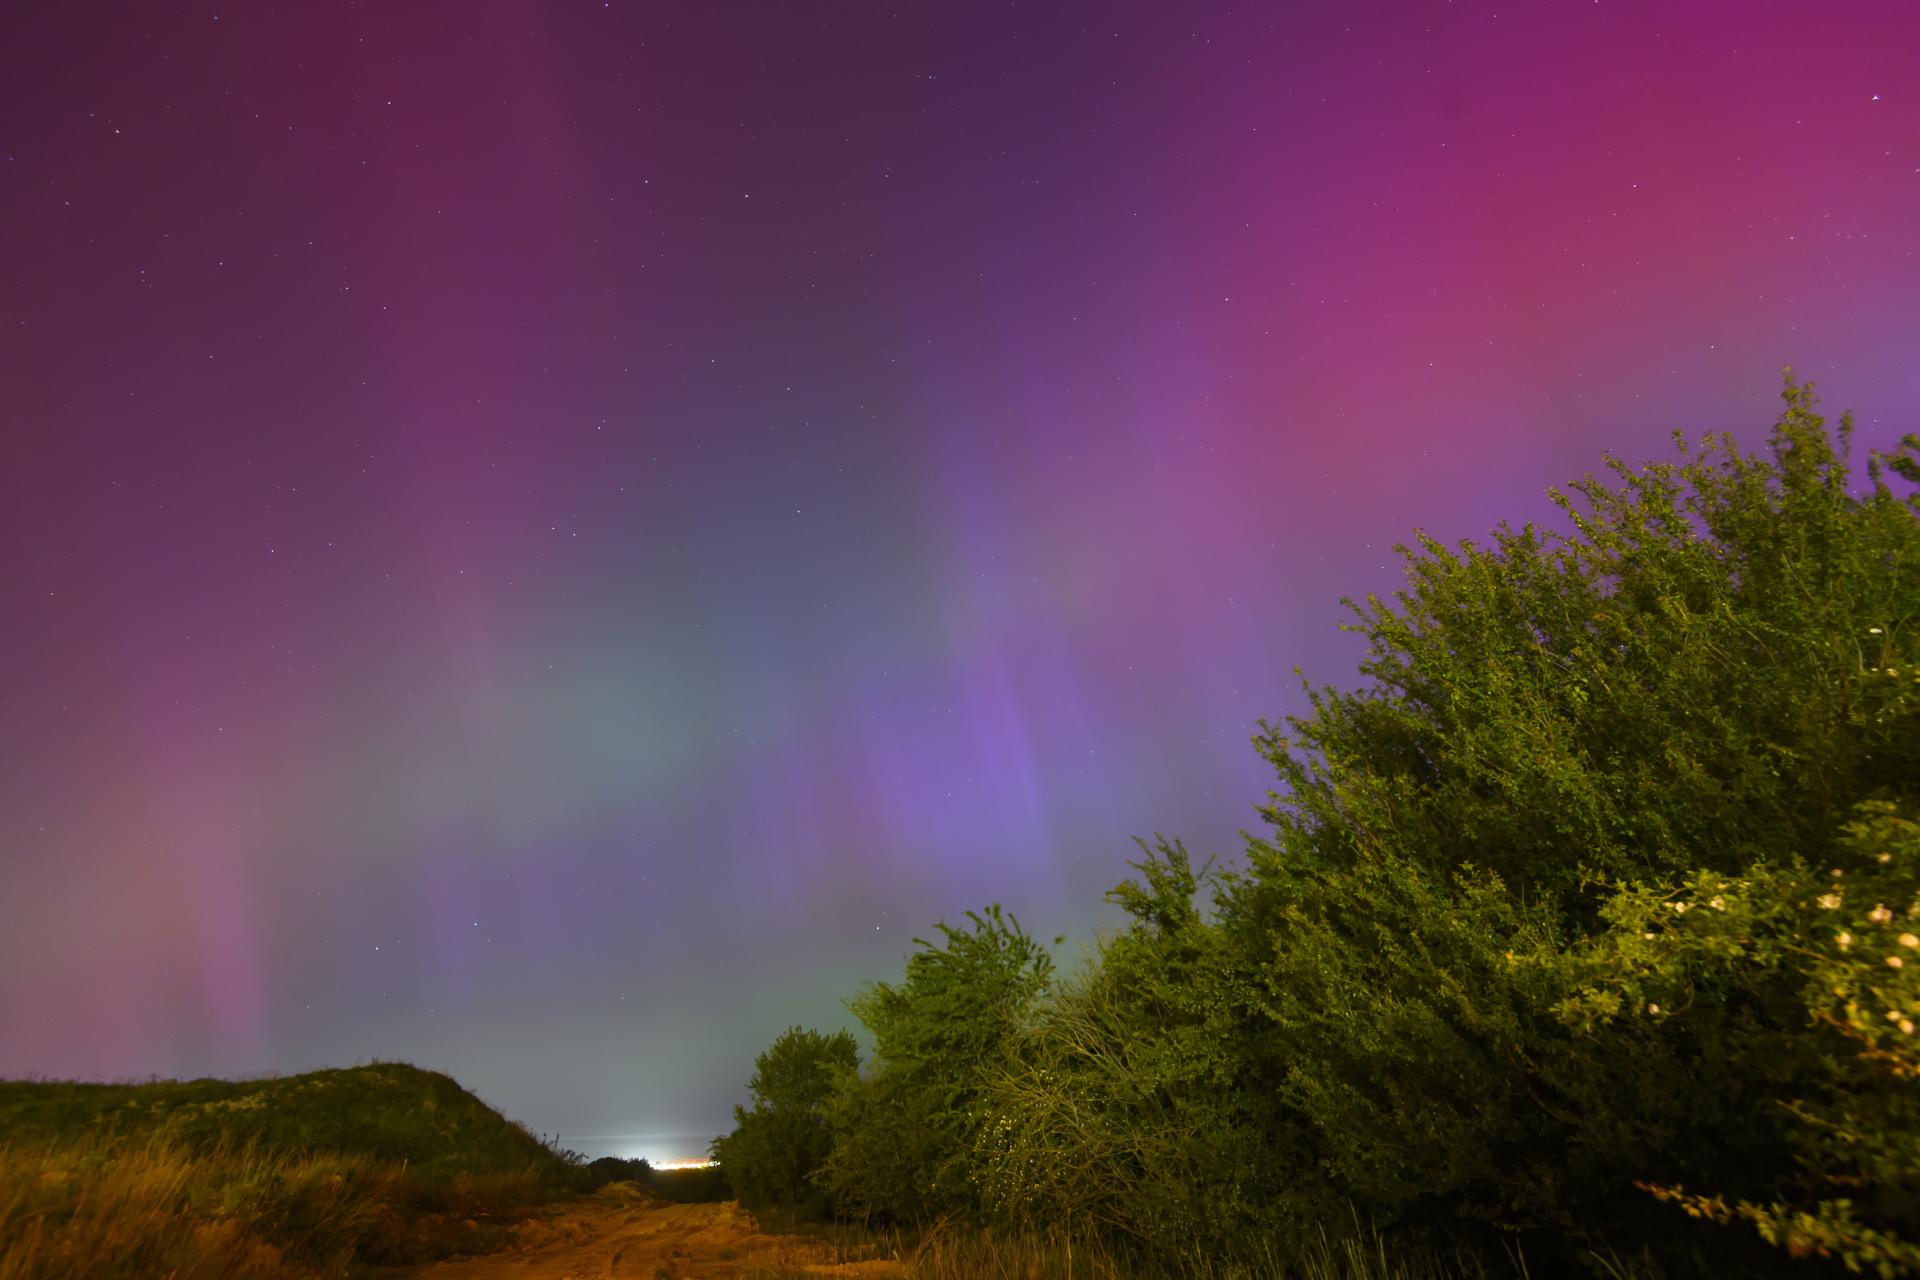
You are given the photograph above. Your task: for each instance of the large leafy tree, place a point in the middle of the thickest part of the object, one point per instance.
(1692, 681)
(1687, 679)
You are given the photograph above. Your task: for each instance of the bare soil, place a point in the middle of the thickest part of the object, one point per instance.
(621, 1232)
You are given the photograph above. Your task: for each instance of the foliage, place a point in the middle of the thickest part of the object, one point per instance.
(1123, 1105)
(1580, 926)
(904, 1136)
(1692, 683)
(778, 1142)
(1850, 976)
(1689, 681)
(888, 1149)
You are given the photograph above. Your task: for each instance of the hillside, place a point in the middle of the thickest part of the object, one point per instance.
(386, 1110)
(321, 1173)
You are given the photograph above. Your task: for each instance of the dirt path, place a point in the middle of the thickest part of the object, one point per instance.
(619, 1233)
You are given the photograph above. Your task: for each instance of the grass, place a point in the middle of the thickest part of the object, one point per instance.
(388, 1110)
(313, 1174)
(986, 1255)
(966, 1252)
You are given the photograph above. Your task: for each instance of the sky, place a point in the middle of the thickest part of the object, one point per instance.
(550, 541)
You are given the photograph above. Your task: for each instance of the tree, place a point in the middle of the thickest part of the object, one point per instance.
(1692, 683)
(1122, 1106)
(1593, 915)
(905, 1141)
(778, 1143)
(1848, 974)
(1678, 684)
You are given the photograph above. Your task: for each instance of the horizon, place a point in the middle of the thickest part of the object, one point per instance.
(551, 544)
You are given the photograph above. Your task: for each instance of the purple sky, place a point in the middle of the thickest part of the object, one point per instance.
(549, 540)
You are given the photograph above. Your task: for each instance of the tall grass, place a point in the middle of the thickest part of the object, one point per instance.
(989, 1255)
(97, 1206)
(968, 1253)
(150, 1208)
(961, 1251)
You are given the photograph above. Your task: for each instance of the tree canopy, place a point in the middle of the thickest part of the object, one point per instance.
(1590, 921)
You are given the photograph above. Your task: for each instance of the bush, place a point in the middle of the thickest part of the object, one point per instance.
(770, 1157)
(1693, 685)
(1122, 1106)
(1846, 979)
(904, 1137)
(1583, 926)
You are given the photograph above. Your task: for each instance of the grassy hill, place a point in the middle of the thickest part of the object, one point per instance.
(387, 1110)
(330, 1171)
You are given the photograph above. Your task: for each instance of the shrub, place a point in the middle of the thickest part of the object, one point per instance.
(1845, 978)
(770, 1157)
(1122, 1106)
(1589, 909)
(904, 1137)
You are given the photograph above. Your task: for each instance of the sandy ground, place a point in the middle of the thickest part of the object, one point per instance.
(619, 1232)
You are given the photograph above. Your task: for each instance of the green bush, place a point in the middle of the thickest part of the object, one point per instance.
(1846, 978)
(1691, 684)
(904, 1136)
(776, 1145)
(1583, 927)
(1122, 1106)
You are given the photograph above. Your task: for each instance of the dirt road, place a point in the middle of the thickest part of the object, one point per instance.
(619, 1233)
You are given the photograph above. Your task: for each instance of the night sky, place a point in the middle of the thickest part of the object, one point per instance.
(550, 540)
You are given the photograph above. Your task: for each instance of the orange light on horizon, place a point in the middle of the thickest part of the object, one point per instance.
(685, 1164)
